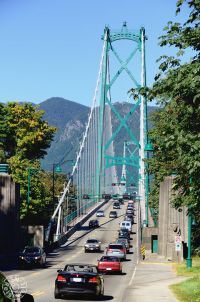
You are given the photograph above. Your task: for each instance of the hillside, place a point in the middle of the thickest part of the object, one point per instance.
(70, 119)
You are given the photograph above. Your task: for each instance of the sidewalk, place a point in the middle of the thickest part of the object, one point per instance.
(151, 281)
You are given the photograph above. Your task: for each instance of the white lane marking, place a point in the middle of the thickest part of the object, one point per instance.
(133, 275)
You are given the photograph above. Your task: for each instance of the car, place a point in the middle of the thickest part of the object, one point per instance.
(100, 213)
(94, 223)
(130, 207)
(124, 233)
(129, 211)
(126, 224)
(121, 201)
(116, 205)
(129, 217)
(77, 278)
(113, 214)
(32, 255)
(92, 245)
(108, 264)
(117, 250)
(125, 242)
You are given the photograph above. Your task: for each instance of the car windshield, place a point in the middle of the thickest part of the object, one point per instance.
(99, 211)
(113, 212)
(116, 246)
(31, 250)
(110, 259)
(92, 241)
(80, 268)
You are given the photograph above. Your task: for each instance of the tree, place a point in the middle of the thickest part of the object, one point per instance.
(24, 139)
(176, 135)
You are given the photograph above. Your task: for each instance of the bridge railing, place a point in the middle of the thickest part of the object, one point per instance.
(77, 213)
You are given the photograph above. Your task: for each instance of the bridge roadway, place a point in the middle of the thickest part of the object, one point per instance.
(41, 281)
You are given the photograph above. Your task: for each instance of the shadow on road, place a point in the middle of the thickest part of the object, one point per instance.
(88, 298)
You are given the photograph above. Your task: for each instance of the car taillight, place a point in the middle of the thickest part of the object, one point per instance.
(93, 280)
(61, 279)
(109, 250)
(122, 250)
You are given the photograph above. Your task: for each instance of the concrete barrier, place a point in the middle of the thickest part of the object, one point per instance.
(69, 233)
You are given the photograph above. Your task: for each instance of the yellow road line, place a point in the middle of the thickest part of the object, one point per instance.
(38, 293)
(35, 274)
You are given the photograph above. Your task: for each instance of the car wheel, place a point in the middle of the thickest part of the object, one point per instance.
(57, 295)
(85, 251)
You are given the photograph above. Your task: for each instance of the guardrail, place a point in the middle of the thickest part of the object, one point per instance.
(63, 239)
(69, 218)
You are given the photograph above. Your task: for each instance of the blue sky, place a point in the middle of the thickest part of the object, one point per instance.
(52, 48)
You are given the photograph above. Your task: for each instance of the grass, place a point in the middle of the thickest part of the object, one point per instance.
(189, 290)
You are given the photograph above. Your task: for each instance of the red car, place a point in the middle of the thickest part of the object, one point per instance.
(108, 264)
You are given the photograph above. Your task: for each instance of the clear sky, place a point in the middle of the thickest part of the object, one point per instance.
(52, 48)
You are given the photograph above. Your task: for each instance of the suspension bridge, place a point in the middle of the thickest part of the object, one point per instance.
(98, 168)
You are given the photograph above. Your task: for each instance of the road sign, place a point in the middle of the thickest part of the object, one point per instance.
(178, 239)
(177, 247)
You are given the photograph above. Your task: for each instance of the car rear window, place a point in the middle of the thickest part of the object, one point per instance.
(92, 241)
(115, 246)
(110, 259)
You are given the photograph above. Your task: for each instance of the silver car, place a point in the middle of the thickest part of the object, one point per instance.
(117, 250)
(100, 213)
(92, 245)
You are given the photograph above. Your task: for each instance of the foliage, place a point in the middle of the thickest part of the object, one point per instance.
(24, 138)
(176, 136)
(24, 132)
(188, 290)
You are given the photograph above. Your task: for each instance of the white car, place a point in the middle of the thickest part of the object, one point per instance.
(100, 213)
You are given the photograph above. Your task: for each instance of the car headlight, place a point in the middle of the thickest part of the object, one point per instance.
(86, 245)
(97, 245)
(37, 257)
(22, 257)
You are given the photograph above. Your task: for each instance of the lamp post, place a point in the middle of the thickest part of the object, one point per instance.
(56, 169)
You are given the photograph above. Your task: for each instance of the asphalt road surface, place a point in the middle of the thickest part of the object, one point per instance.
(40, 282)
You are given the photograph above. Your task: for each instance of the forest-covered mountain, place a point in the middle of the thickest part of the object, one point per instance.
(70, 118)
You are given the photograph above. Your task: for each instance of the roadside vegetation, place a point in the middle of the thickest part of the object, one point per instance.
(175, 133)
(24, 140)
(189, 290)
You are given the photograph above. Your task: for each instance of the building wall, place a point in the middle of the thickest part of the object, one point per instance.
(171, 223)
(9, 214)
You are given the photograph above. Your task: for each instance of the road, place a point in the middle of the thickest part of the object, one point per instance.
(41, 281)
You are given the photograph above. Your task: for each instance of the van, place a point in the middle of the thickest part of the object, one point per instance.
(127, 225)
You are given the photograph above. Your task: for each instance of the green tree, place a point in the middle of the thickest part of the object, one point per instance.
(176, 135)
(24, 139)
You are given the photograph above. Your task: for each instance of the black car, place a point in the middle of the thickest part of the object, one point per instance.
(116, 205)
(32, 255)
(94, 223)
(79, 279)
(129, 217)
(124, 233)
(113, 214)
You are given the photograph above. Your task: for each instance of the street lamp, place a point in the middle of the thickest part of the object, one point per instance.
(56, 169)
